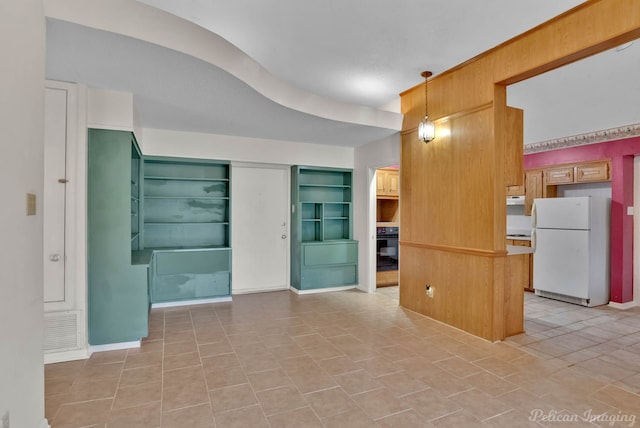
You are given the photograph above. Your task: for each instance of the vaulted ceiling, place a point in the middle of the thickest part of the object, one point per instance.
(318, 72)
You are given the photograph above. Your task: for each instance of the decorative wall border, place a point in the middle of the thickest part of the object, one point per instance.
(610, 134)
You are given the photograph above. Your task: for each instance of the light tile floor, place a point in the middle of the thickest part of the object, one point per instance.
(352, 359)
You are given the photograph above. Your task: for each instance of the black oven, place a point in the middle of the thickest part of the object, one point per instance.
(387, 248)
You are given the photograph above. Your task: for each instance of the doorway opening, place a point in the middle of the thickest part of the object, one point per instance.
(387, 229)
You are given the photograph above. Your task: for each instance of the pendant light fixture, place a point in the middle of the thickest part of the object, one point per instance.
(426, 129)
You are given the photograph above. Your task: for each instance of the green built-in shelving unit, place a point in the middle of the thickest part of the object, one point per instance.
(323, 252)
(118, 304)
(186, 225)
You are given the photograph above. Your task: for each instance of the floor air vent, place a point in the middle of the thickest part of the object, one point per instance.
(60, 331)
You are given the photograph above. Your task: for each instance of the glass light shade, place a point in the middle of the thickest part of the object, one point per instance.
(426, 130)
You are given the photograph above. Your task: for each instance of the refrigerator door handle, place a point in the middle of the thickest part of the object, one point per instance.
(534, 220)
(533, 240)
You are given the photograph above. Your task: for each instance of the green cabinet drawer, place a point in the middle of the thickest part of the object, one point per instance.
(329, 253)
(192, 262)
(334, 276)
(169, 288)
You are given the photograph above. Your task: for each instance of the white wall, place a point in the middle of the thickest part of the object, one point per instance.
(158, 142)
(22, 44)
(368, 157)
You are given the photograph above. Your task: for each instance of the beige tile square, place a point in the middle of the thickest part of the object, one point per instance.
(457, 420)
(216, 348)
(251, 416)
(378, 366)
(193, 417)
(353, 419)
(222, 361)
(178, 336)
(140, 375)
(57, 386)
(338, 365)
(137, 395)
(99, 372)
(172, 362)
(83, 414)
(407, 419)
(280, 399)
(379, 403)
(458, 367)
(491, 384)
(92, 390)
(430, 404)
(145, 416)
(182, 376)
(107, 357)
(480, 404)
(180, 348)
(357, 382)
(143, 360)
(225, 377)
(183, 395)
(231, 397)
(330, 402)
(298, 418)
(401, 383)
(268, 379)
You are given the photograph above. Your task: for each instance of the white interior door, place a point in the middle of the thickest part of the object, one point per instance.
(260, 228)
(54, 194)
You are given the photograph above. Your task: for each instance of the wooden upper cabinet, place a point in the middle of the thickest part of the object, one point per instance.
(586, 172)
(560, 175)
(533, 188)
(516, 190)
(387, 183)
(592, 172)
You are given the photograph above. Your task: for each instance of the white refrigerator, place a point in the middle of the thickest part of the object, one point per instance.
(570, 237)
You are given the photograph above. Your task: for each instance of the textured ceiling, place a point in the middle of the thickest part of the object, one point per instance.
(344, 55)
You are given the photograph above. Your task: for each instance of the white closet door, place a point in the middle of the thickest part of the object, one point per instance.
(54, 194)
(260, 228)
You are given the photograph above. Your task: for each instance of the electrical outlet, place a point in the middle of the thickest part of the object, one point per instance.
(5, 422)
(429, 290)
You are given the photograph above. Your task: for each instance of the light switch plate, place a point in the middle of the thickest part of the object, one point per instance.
(629, 210)
(31, 204)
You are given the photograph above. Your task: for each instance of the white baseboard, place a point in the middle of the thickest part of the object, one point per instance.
(114, 346)
(259, 290)
(622, 306)
(322, 290)
(45, 423)
(190, 302)
(59, 357)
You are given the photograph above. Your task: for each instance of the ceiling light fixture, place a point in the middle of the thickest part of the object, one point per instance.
(426, 129)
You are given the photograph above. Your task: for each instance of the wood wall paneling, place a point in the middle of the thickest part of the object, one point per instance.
(453, 212)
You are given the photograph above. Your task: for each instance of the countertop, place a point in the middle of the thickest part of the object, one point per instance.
(513, 250)
(519, 238)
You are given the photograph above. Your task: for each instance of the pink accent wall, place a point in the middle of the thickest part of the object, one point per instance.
(621, 153)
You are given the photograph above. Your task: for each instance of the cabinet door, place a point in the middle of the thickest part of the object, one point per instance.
(393, 188)
(533, 189)
(515, 190)
(562, 175)
(592, 172)
(387, 183)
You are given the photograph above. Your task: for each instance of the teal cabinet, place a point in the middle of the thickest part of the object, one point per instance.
(190, 274)
(118, 302)
(186, 226)
(323, 252)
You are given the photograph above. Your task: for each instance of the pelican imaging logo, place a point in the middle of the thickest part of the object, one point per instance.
(611, 419)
